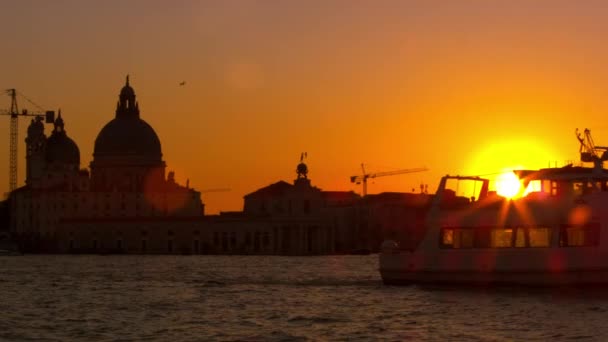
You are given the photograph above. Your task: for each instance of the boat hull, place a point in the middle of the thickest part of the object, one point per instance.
(539, 267)
(528, 278)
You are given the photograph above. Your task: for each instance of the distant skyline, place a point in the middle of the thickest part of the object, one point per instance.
(460, 87)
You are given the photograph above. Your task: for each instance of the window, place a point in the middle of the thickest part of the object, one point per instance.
(457, 237)
(502, 237)
(196, 247)
(588, 235)
(447, 237)
(170, 246)
(520, 237)
(263, 208)
(539, 237)
(532, 237)
(256, 242)
(232, 240)
(489, 237)
(224, 241)
(266, 239)
(144, 245)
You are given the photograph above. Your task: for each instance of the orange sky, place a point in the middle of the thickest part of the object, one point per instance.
(456, 86)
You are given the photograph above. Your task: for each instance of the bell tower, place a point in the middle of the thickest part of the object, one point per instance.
(35, 151)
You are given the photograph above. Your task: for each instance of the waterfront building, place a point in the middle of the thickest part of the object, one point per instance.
(287, 219)
(126, 202)
(126, 182)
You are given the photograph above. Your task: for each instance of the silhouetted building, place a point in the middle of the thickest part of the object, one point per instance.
(4, 216)
(4, 220)
(61, 204)
(128, 203)
(283, 218)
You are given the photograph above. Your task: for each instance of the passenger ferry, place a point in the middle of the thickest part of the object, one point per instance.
(557, 234)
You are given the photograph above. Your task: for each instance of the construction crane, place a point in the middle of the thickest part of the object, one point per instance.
(589, 152)
(14, 113)
(365, 176)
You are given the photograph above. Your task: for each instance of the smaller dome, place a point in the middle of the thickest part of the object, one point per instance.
(35, 128)
(60, 148)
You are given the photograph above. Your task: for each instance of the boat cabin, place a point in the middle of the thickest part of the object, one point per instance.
(552, 212)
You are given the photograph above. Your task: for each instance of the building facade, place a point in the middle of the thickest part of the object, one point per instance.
(126, 181)
(127, 202)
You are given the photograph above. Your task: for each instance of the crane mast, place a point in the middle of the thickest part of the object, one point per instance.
(362, 179)
(13, 143)
(14, 135)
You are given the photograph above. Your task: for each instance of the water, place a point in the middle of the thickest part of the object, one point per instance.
(226, 298)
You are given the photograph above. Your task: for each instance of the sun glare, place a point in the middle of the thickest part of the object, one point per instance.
(507, 185)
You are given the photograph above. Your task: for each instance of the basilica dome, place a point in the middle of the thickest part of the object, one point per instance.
(60, 148)
(127, 135)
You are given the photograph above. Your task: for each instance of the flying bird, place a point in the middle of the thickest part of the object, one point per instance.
(182, 83)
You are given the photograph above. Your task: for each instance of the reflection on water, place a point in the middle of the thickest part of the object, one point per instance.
(272, 298)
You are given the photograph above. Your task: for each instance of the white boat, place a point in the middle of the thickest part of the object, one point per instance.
(555, 235)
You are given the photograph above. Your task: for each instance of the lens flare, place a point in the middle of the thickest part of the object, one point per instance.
(508, 185)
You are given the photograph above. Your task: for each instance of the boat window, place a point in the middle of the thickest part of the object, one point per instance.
(546, 186)
(491, 237)
(583, 188)
(533, 187)
(447, 237)
(578, 188)
(599, 186)
(549, 187)
(457, 238)
(462, 191)
(539, 237)
(520, 237)
(571, 236)
(502, 237)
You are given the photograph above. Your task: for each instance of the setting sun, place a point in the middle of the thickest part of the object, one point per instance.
(508, 185)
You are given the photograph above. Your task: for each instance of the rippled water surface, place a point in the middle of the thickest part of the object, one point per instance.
(201, 298)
